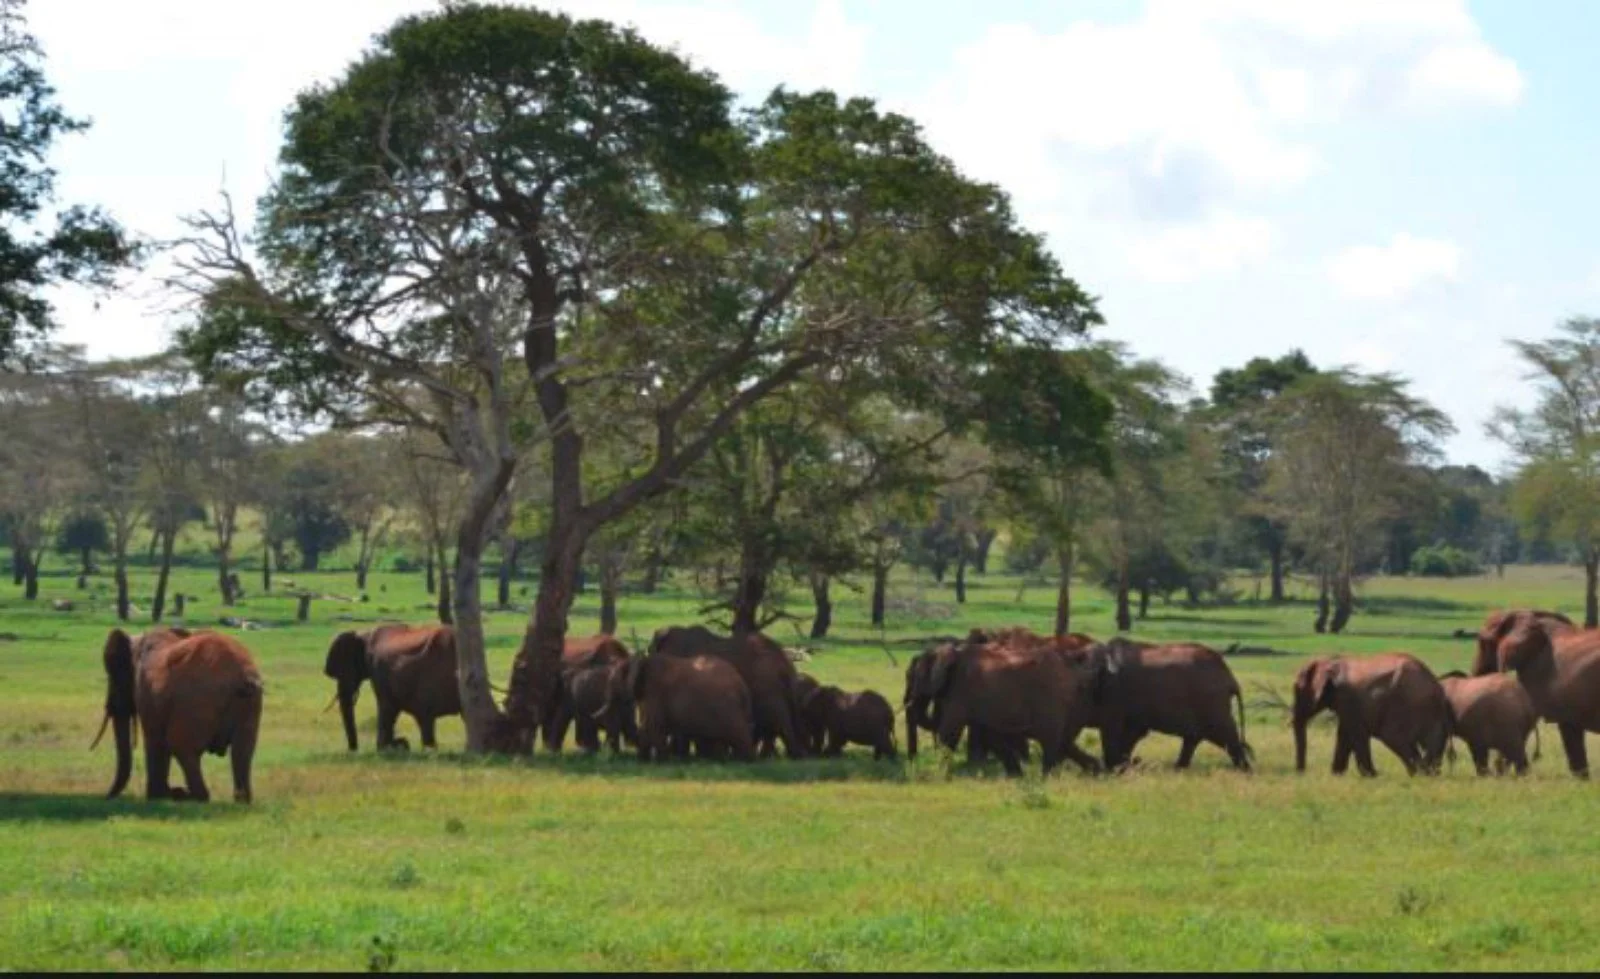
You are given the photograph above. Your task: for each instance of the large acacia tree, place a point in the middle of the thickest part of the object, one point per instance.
(490, 179)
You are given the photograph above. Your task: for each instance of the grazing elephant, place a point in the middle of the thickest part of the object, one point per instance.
(1492, 713)
(1557, 663)
(811, 733)
(765, 669)
(578, 654)
(412, 669)
(694, 698)
(850, 718)
(1393, 697)
(586, 696)
(192, 693)
(1025, 692)
(1182, 689)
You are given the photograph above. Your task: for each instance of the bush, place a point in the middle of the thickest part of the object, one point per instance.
(1443, 561)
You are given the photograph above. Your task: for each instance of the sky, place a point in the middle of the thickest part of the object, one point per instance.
(1396, 185)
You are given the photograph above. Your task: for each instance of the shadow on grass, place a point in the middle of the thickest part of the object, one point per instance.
(773, 771)
(24, 807)
(1217, 620)
(1403, 604)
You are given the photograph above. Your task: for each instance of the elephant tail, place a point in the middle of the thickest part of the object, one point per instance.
(1536, 744)
(1244, 742)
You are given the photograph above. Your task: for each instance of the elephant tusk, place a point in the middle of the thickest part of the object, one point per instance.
(335, 700)
(105, 722)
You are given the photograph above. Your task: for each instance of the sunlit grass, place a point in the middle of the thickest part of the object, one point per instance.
(441, 862)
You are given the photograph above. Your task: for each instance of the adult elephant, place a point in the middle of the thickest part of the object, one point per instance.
(578, 656)
(1029, 693)
(412, 670)
(191, 693)
(1557, 663)
(1393, 697)
(921, 707)
(1492, 713)
(1182, 689)
(765, 669)
(586, 696)
(699, 699)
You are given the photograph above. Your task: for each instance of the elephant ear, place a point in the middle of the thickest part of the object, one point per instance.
(1326, 677)
(347, 657)
(118, 657)
(943, 669)
(1527, 641)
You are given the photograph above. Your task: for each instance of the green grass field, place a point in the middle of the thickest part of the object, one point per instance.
(445, 862)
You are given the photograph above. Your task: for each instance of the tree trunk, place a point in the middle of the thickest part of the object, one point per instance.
(310, 558)
(1064, 591)
(536, 672)
(1321, 624)
(431, 586)
(121, 573)
(1124, 619)
(1344, 601)
(1144, 601)
(1275, 551)
(446, 606)
(610, 585)
(653, 560)
(472, 673)
(88, 562)
(1591, 604)
(508, 556)
(985, 541)
(17, 573)
(361, 575)
(961, 579)
(747, 601)
(224, 578)
(266, 567)
(30, 580)
(823, 620)
(880, 589)
(158, 605)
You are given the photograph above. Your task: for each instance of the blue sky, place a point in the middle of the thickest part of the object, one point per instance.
(1388, 184)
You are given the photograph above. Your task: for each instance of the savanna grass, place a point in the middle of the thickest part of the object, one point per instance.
(445, 861)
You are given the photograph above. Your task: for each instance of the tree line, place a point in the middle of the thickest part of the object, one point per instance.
(573, 293)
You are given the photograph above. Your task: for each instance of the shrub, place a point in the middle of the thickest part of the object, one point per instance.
(1443, 561)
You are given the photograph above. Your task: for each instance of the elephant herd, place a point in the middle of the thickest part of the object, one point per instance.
(1002, 692)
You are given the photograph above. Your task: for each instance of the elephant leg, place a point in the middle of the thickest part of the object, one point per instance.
(977, 746)
(1186, 753)
(157, 766)
(1480, 757)
(425, 725)
(1362, 747)
(189, 761)
(1577, 752)
(1517, 755)
(588, 735)
(1008, 758)
(243, 751)
(388, 714)
(1342, 747)
(835, 745)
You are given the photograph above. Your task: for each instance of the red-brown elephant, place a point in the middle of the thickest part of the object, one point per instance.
(191, 693)
(413, 671)
(1559, 666)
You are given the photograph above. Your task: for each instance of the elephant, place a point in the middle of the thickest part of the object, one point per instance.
(1013, 692)
(412, 669)
(1557, 663)
(1492, 713)
(192, 693)
(1393, 697)
(694, 698)
(1182, 689)
(921, 709)
(849, 718)
(812, 734)
(578, 655)
(766, 671)
(586, 695)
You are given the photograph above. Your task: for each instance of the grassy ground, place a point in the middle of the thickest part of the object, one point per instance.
(351, 862)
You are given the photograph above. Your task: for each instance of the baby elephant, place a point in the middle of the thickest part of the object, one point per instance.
(1492, 713)
(850, 718)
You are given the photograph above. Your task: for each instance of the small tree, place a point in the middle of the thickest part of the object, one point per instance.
(1345, 445)
(83, 534)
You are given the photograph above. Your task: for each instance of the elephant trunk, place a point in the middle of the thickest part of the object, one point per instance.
(1302, 717)
(347, 711)
(122, 730)
(912, 718)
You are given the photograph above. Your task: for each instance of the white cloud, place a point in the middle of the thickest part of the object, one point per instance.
(1395, 270)
(1196, 102)
(1189, 252)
